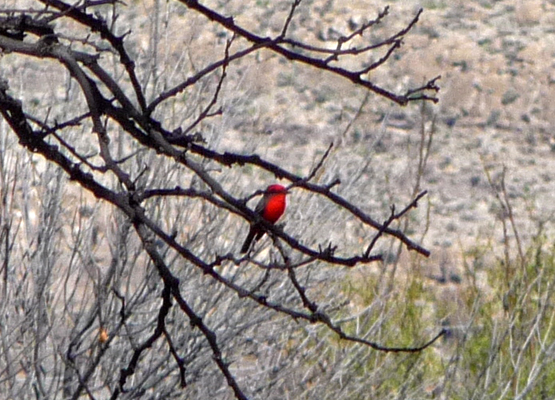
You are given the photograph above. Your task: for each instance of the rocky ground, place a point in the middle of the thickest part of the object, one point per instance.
(495, 114)
(495, 109)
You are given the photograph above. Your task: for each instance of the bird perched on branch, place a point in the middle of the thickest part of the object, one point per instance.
(270, 207)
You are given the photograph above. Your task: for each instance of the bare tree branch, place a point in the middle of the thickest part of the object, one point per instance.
(154, 294)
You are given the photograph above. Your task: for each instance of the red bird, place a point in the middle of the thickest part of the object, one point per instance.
(270, 207)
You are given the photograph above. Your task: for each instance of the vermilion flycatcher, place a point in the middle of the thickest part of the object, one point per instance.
(270, 207)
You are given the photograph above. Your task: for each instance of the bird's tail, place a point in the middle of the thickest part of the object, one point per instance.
(248, 240)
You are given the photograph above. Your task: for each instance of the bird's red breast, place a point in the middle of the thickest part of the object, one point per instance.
(274, 208)
(274, 202)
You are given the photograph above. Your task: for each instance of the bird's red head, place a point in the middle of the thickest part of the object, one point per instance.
(276, 189)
